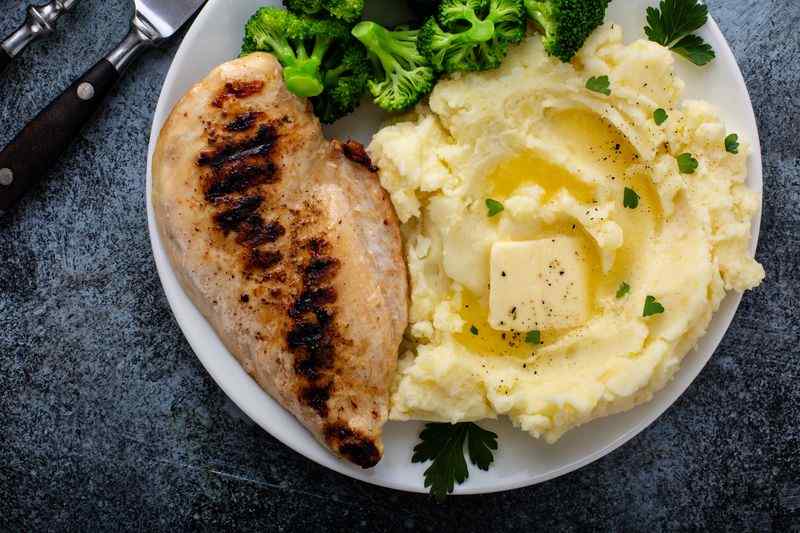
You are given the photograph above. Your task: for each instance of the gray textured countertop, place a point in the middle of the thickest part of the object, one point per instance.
(107, 419)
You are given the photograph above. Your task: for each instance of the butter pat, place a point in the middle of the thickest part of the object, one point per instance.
(536, 285)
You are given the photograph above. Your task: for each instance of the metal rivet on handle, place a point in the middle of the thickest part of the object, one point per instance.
(85, 91)
(6, 176)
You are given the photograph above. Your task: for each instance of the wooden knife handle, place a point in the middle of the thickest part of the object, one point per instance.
(38, 146)
(5, 59)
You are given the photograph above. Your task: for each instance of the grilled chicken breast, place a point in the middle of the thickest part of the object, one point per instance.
(289, 247)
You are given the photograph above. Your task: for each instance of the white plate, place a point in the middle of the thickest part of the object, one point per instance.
(214, 38)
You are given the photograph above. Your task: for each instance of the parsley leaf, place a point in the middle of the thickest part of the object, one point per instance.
(599, 84)
(686, 163)
(732, 143)
(493, 207)
(695, 49)
(444, 445)
(473, 330)
(480, 444)
(533, 337)
(624, 289)
(656, 30)
(651, 306)
(672, 23)
(673, 19)
(660, 116)
(630, 199)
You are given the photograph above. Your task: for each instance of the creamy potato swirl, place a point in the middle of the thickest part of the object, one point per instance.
(558, 158)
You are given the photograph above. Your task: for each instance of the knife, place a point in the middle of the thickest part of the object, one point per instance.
(39, 23)
(37, 147)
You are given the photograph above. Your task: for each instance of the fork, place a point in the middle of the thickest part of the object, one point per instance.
(39, 23)
(36, 148)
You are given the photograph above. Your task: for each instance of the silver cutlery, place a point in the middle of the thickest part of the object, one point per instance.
(39, 22)
(37, 147)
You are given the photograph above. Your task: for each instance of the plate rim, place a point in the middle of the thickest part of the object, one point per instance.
(171, 288)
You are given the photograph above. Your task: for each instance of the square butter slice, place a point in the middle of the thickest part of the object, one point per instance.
(536, 285)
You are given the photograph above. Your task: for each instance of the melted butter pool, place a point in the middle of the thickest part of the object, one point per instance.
(530, 169)
(601, 149)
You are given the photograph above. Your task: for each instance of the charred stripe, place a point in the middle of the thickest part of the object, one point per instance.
(352, 444)
(260, 144)
(232, 218)
(243, 122)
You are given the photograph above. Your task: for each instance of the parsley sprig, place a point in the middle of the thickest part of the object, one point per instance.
(652, 306)
(732, 143)
(493, 207)
(672, 24)
(599, 84)
(687, 164)
(444, 445)
(630, 198)
(624, 289)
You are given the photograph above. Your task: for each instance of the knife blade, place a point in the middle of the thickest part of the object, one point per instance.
(39, 22)
(38, 146)
(167, 16)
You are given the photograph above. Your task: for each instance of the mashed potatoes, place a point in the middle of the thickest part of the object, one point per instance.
(536, 312)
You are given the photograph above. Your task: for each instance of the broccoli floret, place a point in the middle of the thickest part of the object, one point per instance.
(346, 10)
(303, 7)
(300, 44)
(345, 79)
(472, 34)
(405, 75)
(566, 23)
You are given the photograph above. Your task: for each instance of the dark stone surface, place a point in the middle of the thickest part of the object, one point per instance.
(108, 421)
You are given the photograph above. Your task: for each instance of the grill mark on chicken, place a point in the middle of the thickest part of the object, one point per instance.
(264, 259)
(317, 398)
(313, 335)
(243, 122)
(252, 232)
(238, 164)
(260, 144)
(355, 152)
(255, 232)
(242, 210)
(319, 270)
(310, 299)
(238, 176)
(237, 89)
(312, 340)
(352, 445)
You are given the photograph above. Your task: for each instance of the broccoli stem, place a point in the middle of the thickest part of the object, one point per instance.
(300, 51)
(540, 12)
(321, 45)
(280, 46)
(302, 75)
(300, 72)
(388, 46)
(377, 41)
(333, 75)
(303, 79)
